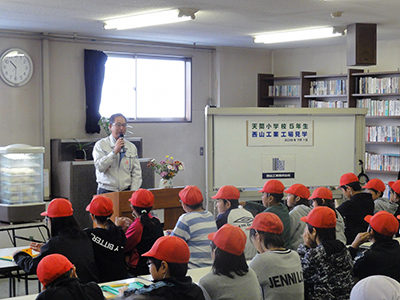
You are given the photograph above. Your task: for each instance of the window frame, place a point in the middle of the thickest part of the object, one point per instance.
(188, 85)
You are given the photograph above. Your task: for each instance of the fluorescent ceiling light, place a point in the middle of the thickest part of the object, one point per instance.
(151, 19)
(297, 35)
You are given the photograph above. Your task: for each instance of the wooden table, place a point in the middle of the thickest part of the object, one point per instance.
(164, 198)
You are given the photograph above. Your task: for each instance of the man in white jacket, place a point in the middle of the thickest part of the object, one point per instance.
(116, 160)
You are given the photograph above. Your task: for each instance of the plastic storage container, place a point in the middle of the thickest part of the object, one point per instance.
(21, 174)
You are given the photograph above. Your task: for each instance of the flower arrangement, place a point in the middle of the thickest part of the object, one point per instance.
(167, 168)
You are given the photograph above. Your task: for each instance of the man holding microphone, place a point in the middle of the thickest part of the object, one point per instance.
(116, 160)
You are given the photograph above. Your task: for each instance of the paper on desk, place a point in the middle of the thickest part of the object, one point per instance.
(114, 288)
(26, 250)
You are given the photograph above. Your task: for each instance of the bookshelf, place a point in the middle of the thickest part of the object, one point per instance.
(306, 90)
(328, 91)
(379, 92)
(279, 91)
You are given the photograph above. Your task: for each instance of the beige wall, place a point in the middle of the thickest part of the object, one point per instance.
(332, 59)
(20, 107)
(63, 100)
(237, 75)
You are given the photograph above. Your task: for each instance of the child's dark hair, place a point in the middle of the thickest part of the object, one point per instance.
(380, 194)
(225, 263)
(380, 237)
(175, 270)
(234, 202)
(271, 240)
(303, 201)
(356, 186)
(325, 202)
(324, 234)
(277, 197)
(111, 227)
(143, 213)
(196, 206)
(66, 275)
(64, 225)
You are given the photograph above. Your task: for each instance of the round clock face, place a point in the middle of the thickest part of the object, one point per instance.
(16, 67)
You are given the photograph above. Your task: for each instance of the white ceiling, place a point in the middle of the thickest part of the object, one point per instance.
(218, 22)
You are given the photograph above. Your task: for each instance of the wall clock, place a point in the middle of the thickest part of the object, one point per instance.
(16, 67)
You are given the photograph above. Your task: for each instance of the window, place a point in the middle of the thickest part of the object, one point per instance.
(147, 88)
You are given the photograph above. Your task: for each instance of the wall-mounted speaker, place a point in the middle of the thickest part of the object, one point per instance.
(361, 44)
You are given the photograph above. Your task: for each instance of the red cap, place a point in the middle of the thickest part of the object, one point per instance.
(299, 190)
(395, 185)
(321, 217)
(191, 195)
(383, 222)
(51, 267)
(375, 184)
(267, 222)
(229, 238)
(100, 206)
(273, 186)
(323, 193)
(171, 249)
(228, 192)
(58, 208)
(142, 198)
(348, 178)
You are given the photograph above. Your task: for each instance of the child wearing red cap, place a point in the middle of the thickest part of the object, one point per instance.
(230, 278)
(323, 196)
(278, 269)
(194, 226)
(227, 204)
(108, 240)
(393, 205)
(272, 194)
(376, 188)
(142, 233)
(383, 257)
(326, 262)
(299, 205)
(58, 276)
(354, 211)
(66, 239)
(168, 264)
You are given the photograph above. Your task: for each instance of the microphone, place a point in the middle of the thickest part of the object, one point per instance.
(121, 135)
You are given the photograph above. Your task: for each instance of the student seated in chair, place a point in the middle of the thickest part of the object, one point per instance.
(168, 264)
(227, 204)
(58, 276)
(383, 257)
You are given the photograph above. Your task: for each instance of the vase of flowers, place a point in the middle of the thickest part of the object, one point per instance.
(167, 168)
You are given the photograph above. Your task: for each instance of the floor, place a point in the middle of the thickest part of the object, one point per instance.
(20, 288)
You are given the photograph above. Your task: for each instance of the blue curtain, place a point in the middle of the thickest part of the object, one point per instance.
(94, 78)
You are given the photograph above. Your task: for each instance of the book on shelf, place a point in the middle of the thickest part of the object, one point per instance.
(380, 107)
(327, 104)
(290, 90)
(382, 162)
(328, 87)
(383, 133)
(378, 85)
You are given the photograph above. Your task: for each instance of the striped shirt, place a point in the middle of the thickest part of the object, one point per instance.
(194, 228)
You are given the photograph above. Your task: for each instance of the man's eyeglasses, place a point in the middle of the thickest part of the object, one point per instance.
(119, 125)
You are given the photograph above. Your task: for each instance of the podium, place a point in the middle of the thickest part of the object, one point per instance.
(164, 198)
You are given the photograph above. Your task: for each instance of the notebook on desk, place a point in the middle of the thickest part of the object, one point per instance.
(26, 250)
